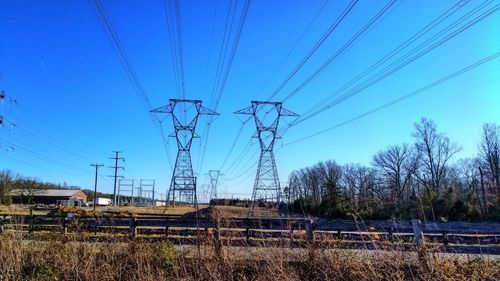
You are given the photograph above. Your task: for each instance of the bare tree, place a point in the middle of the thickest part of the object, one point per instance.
(436, 151)
(470, 178)
(360, 183)
(28, 189)
(311, 179)
(331, 174)
(489, 153)
(7, 179)
(398, 163)
(295, 188)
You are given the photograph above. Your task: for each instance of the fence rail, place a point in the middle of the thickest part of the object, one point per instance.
(483, 237)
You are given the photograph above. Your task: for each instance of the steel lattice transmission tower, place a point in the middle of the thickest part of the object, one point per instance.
(214, 176)
(185, 115)
(267, 117)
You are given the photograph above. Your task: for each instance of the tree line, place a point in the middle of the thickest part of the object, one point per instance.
(419, 180)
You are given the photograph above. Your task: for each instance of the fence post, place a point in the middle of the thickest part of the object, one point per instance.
(133, 228)
(391, 234)
(166, 227)
(310, 230)
(30, 221)
(417, 232)
(445, 238)
(96, 224)
(218, 242)
(64, 225)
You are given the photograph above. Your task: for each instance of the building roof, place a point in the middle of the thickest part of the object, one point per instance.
(49, 192)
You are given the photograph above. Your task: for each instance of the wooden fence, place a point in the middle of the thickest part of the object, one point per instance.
(452, 236)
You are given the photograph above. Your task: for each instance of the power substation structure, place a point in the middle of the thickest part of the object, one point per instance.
(125, 192)
(267, 117)
(185, 115)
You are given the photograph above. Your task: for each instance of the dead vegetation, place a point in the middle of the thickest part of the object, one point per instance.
(131, 260)
(130, 211)
(69, 257)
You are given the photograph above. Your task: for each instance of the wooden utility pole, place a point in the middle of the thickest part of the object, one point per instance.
(483, 209)
(95, 182)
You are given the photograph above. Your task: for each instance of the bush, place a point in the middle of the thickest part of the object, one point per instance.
(165, 255)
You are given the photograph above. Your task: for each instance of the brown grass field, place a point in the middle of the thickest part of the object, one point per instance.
(75, 258)
(61, 259)
(225, 211)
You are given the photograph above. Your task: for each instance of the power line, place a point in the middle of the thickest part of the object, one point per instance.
(354, 39)
(42, 167)
(237, 161)
(180, 47)
(28, 132)
(222, 73)
(276, 70)
(27, 109)
(174, 28)
(231, 171)
(402, 98)
(405, 60)
(212, 29)
(299, 39)
(245, 171)
(318, 44)
(125, 60)
(222, 82)
(395, 51)
(46, 158)
(129, 70)
(234, 143)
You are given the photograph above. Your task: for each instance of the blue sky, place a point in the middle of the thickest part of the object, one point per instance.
(75, 104)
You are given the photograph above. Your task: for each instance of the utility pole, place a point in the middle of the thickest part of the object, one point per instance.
(483, 208)
(115, 176)
(185, 115)
(95, 182)
(267, 186)
(2, 97)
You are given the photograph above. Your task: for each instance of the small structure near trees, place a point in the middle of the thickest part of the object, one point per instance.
(48, 196)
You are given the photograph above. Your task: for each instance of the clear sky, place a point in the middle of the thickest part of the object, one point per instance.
(75, 104)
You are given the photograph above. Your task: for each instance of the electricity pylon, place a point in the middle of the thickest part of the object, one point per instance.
(214, 181)
(267, 116)
(185, 114)
(205, 197)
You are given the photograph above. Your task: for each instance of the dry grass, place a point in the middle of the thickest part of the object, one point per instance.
(129, 260)
(225, 211)
(61, 257)
(233, 211)
(19, 210)
(177, 210)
